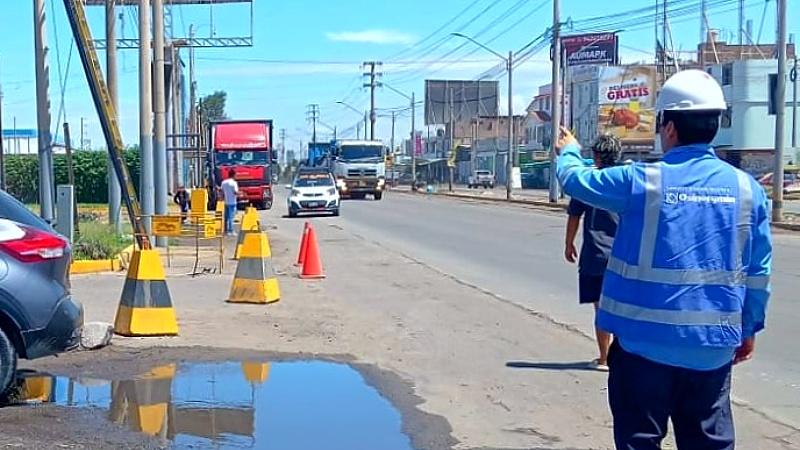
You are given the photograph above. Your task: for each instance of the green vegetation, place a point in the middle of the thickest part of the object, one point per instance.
(91, 174)
(212, 107)
(98, 241)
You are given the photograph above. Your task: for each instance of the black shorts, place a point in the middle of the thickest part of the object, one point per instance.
(589, 288)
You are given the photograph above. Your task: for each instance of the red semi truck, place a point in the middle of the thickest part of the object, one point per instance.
(246, 146)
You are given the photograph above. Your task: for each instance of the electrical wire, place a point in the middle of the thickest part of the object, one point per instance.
(436, 31)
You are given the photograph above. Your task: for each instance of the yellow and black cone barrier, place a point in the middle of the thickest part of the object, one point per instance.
(250, 222)
(145, 307)
(144, 401)
(255, 280)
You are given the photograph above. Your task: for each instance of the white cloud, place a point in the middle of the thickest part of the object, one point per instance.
(382, 37)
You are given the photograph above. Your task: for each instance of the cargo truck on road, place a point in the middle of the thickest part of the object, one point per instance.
(246, 146)
(359, 168)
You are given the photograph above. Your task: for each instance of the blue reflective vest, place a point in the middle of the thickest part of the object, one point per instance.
(680, 269)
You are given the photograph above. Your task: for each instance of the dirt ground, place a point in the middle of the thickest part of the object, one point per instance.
(466, 369)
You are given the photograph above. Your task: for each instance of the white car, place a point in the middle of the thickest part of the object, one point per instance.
(313, 191)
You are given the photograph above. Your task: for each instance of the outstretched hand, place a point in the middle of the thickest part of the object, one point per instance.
(565, 137)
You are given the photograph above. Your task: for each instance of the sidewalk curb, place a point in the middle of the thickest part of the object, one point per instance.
(515, 201)
(787, 226)
(86, 266)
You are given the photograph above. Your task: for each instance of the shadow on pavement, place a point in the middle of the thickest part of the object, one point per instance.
(576, 365)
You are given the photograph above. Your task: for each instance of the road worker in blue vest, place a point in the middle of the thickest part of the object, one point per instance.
(687, 282)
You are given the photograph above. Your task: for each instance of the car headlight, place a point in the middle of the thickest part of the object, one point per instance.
(340, 183)
(381, 181)
(295, 193)
(332, 191)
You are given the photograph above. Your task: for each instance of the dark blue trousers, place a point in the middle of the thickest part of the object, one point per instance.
(645, 395)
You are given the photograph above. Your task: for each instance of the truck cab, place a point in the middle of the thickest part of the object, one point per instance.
(359, 168)
(246, 146)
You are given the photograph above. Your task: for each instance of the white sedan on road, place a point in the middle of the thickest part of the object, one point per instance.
(313, 191)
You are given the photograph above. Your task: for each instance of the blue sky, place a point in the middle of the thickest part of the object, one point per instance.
(310, 52)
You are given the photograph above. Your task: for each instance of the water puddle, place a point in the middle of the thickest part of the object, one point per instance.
(285, 405)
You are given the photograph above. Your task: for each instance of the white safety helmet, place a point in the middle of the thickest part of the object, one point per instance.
(691, 90)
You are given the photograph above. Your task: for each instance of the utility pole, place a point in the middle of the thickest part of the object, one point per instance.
(283, 145)
(146, 179)
(71, 174)
(312, 115)
(793, 79)
(452, 140)
(114, 192)
(176, 156)
(193, 129)
(394, 115)
(512, 161)
(780, 112)
(160, 116)
(372, 84)
(413, 145)
(555, 94)
(46, 190)
(365, 125)
(741, 23)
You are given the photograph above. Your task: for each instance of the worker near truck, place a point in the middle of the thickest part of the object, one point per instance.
(687, 283)
(599, 228)
(181, 198)
(230, 195)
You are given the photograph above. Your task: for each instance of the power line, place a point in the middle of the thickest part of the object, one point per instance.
(436, 31)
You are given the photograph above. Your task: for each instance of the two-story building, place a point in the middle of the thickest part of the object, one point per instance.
(747, 129)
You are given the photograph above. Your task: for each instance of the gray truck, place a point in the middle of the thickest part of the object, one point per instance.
(481, 178)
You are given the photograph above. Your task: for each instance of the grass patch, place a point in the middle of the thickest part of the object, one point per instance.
(98, 241)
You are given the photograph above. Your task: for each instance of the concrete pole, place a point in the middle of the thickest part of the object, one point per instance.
(392, 139)
(146, 184)
(46, 191)
(555, 95)
(413, 145)
(511, 159)
(114, 193)
(176, 156)
(193, 128)
(780, 113)
(160, 112)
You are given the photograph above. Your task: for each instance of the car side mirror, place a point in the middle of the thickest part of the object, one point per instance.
(288, 186)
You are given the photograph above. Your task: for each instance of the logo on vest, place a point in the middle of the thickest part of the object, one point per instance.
(674, 195)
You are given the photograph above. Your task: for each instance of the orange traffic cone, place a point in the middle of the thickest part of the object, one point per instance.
(301, 255)
(312, 264)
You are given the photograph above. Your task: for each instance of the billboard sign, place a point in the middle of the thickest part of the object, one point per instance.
(592, 48)
(627, 100)
(469, 99)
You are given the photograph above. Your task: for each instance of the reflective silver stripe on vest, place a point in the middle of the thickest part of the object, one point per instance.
(652, 209)
(668, 316)
(758, 282)
(675, 276)
(645, 271)
(743, 222)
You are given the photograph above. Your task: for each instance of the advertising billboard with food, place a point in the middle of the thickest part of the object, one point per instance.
(627, 98)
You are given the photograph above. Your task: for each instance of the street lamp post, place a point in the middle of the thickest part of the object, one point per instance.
(347, 105)
(413, 136)
(512, 158)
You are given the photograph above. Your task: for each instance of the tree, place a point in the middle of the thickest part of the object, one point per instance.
(212, 107)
